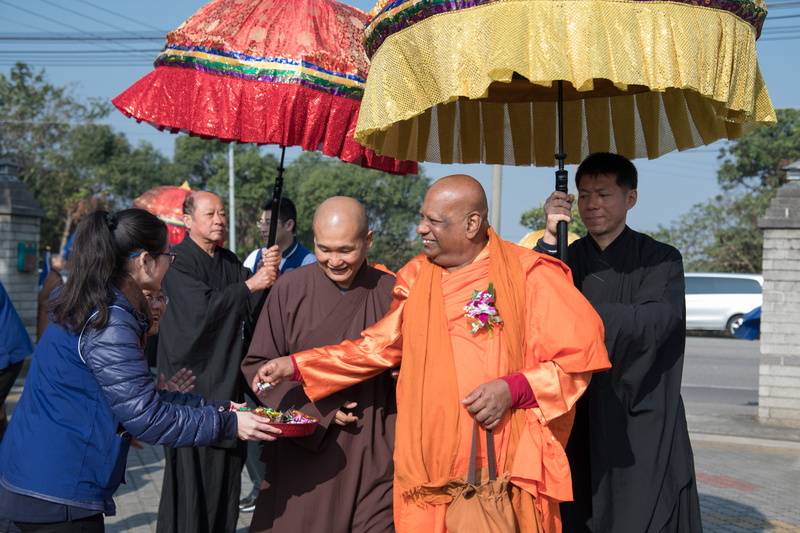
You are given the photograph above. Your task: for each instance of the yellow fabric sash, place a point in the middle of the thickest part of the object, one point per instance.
(429, 407)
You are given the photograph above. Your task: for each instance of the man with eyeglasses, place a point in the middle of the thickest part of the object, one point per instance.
(293, 254)
(212, 297)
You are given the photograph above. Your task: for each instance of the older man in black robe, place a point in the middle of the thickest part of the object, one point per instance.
(211, 298)
(631, 459)
(339, 479)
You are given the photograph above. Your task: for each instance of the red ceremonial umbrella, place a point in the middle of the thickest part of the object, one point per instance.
(166, 202)
(289, 73)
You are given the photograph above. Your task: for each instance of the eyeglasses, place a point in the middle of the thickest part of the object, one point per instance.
(161, 299)
(262, 224)
(172, 255)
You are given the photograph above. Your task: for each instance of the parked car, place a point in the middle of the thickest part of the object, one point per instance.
(716, 301)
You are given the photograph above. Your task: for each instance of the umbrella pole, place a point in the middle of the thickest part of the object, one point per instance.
(562, 181)
(277, 192)
(231, 200)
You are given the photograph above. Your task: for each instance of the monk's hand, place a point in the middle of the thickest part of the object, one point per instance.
(267, 272)
(270, 257)
(557, 208)
(489, 402)
(270, 374)
(250, 426)
(343, 418)
(182, 381)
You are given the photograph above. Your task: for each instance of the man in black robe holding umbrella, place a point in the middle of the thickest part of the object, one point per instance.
(204, 329)
(629, 451)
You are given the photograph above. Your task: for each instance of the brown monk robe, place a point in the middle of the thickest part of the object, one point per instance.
(338, 479)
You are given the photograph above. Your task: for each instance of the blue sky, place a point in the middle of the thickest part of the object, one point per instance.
(668, 186)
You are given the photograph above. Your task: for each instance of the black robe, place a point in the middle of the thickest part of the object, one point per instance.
(203, 329)
(629, 451)
(339, 479)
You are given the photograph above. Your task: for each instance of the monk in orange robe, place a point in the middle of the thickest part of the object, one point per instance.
(519, 378)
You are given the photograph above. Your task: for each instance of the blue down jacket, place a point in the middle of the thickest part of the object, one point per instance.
(67, 439)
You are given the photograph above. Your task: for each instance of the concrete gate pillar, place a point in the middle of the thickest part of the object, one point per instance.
(779, 370)
(20, 217)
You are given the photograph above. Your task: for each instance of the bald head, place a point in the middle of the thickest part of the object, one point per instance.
(341, 238)
(464, 192)
(191, 201)
(453, 221)
(341, 211)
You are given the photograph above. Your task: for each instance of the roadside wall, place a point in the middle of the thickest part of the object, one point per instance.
(779, 372)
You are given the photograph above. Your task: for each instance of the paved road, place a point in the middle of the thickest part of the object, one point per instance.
(720, 379)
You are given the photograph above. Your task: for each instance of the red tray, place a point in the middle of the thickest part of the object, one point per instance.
(296, 430)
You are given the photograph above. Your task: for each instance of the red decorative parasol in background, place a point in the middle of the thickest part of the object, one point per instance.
(288, 73)
(166, 202)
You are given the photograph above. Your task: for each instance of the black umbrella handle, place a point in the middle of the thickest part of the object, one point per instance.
(562, 181)
(561, 228)
(277, 193)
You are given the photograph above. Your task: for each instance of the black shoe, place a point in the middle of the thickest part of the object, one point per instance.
(248, 503)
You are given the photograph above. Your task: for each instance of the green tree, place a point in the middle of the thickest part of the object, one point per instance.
(392, 202)
(534, 219)
(71, 164)
(254, 172)
(753, 163)
(197, 160)
(722, 234)
(35, 118)
(94, 168)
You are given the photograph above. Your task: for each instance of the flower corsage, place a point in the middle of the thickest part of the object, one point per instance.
(481, 311)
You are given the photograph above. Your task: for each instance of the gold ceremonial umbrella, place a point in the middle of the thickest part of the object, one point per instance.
(491, 81)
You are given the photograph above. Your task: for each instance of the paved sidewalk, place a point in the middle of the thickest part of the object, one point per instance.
(137, 501)
(748, 476)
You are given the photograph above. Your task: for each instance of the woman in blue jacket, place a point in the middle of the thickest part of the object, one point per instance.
(89, 390)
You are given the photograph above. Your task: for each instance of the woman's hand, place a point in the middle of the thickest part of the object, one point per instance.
(250, 426)
(182, 381)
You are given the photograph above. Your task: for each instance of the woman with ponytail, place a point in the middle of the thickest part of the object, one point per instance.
(89, 390)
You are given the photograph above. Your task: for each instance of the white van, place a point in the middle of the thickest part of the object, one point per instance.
(716, 301)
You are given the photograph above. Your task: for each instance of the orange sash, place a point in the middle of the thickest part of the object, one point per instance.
(428, 412)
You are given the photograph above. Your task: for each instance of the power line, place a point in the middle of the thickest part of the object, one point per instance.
(783, 5)
(81, 52)
(40, 16)
(121, 16)
(84, 15)
(97, 36)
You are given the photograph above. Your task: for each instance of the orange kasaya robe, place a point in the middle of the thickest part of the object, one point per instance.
(563, 345)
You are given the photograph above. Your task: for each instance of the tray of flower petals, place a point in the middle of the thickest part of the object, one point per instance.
(292, 423)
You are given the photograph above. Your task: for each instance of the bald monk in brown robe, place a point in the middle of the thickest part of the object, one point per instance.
(520, 379)
(338, 479)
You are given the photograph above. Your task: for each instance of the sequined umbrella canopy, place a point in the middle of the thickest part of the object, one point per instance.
(513, 82)
(287, 73)
(166, 202)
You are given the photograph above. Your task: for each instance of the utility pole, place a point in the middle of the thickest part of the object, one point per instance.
(231, 201)
(497, 194)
